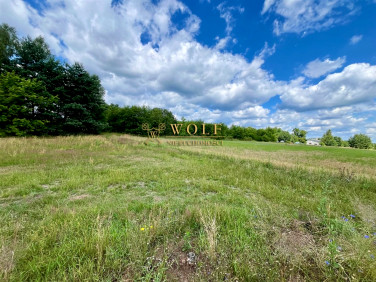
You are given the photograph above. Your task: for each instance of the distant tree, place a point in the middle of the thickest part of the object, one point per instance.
(300, 135)
(251, 134)
(31, 55)
(284, 136)
(237, 132)
(224, 129)
(338, 141)
(158, 116)
(272, 133)
(262, 135)
(8, 45)
(24, 106)
(345, 143)
(328, 139)
(360, 141)
(129, 119)
(294, 138)
(134, 117)
(114, 118)
(81, 102)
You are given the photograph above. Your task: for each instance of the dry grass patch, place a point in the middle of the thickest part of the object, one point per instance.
(210, 226)
(367, 213)
(6, 261)
(295, 243)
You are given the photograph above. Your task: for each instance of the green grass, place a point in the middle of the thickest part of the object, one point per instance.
(367, 157)
(112, 209)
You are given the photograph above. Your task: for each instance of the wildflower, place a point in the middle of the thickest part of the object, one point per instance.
(151, 226)
(339, 248)
(374, 234)
(327, 262)
(366, 236)
(353, 216)
(346, 219)
(142, 228)
(342, 216)
(330, 240)
(372, 256)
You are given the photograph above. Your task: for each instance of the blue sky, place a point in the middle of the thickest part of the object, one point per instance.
(286, 63)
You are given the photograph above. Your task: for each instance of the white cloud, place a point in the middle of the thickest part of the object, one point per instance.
(343, 121)
(306, 16)
(317, 68)
(226, 13)
(251, 112)
(170, 69)
(222, 42)
(109, 44)
(267, 5)
(355, 84)
(355, 39)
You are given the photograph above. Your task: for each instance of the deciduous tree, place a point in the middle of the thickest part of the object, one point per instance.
(24, 106)
(360, 141)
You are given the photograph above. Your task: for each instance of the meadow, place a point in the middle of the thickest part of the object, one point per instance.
(110, 208)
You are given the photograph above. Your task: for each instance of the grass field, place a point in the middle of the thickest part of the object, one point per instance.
(110, 208)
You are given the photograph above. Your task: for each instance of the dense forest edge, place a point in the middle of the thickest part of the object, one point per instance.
(42, 96)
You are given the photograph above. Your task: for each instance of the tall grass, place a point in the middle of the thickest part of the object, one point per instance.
(110, 208)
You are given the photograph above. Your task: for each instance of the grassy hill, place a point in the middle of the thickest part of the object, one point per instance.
(110, 208)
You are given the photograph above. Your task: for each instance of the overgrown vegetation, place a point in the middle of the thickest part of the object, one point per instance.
(110, 208)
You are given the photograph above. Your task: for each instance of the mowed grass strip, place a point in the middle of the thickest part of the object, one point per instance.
(110, 208)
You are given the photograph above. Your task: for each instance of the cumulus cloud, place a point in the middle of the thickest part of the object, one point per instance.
(143, 57)
(355, 39)
(317, 68)
(170, 61)
(355, 84)
(306, 16)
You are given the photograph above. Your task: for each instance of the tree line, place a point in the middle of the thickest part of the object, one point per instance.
(41, 96)
(360, 141)
(129, 118)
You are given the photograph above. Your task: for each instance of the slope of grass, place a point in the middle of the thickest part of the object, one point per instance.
(110, 208)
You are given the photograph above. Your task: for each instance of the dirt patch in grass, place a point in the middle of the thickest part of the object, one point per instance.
(182, 266)
(294, 242)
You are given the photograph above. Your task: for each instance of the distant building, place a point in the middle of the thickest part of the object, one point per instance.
(313, 142)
